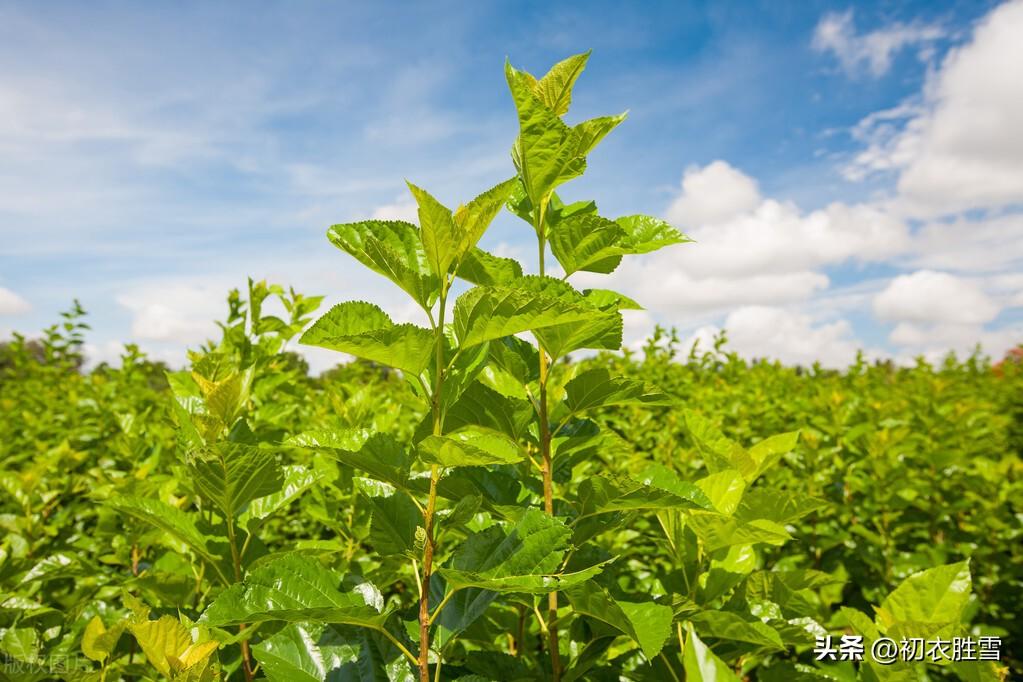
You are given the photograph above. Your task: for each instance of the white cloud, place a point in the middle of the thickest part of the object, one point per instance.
(960, 149)
(98, 353)
(400, 210)
(12, 304)
(872, 51)
(984, 245)
(749, 250)
(934, 341)
(779, 334)
(927, 296)
(712, 194)
(179, 312)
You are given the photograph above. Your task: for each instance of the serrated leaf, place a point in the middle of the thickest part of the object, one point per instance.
(601, 329)
(935, 596)
(471, 446)
(379, 455)
(605, 299)
(365, 331)
(172, 520)
(729, 626)
(767, 452)
(587, 242)
(485, 269)
(644, 234)
(520, 558)
(97, 641)
(297, 480)
(647, 623)
(717, 531)
(483, 406)
(292, 589)
(779, 506)
(701, 664)
(547, 152)
(719, 453)
(437, 227)
(230, 475)
(597, 388)
(555, 88)
(473, 219)
(393, 249)
(168, 645)
(486, 313)
(393, 524)
(725, 490)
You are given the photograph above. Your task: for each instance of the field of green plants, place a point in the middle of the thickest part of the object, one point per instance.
(502, 493)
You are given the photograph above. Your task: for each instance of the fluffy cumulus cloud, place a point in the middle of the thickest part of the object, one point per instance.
(935, 312)
(750, 249)
(713, 193)
(960, 148)
(400, 210)
(758, 262)
(180, 312)
(870, 52)
(789, 336)
(12, 304)
(935, 297)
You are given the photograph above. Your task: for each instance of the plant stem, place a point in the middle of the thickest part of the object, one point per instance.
(545, 452)
(431, 502)
(237, 562)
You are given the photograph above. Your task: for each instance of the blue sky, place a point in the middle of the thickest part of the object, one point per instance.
(843, 190)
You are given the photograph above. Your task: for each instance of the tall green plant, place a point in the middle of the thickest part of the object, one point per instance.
(548, 153)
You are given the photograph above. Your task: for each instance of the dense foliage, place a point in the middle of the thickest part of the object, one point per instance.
(462, 504)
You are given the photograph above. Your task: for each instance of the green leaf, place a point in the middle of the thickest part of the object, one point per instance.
(522, 558)
(767, 452)
(935, 597)
(21, 644)
(602, 494)
(485, 269)
(725, 489)
(605, 299)
(647, 623)
(294, 589)
(297, 480)
(471, 446)
(379, 455)
(311, 652)
(779, 506)
(180, 524)
(601, 329)
(555, 88)
(486, 313)
(547, 152)
(597, 388)
(644, 234)
(473, 219)
(393, 524)
(365, 331)
(97, 641)
(294, 654)
(700, 663)
(169, 646)
(437, 227)
(587, 242)
(732, 627)
(230, 475)
(483, 406)
(717, 531)
(393, 249)
(719, 453)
